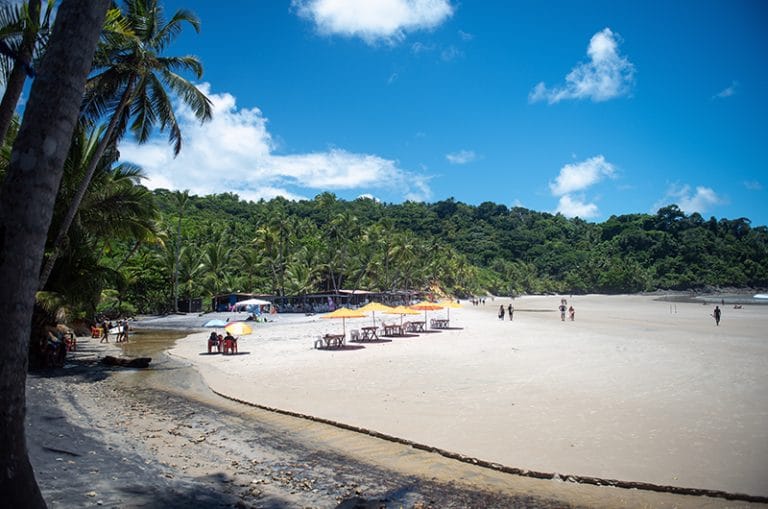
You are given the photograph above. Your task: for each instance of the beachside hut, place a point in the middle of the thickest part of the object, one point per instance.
(227, 301)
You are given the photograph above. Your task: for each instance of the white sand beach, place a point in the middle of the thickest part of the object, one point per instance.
(633, 389)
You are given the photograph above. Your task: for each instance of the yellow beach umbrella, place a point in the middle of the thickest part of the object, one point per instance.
(345, 313)
(238, 328)
(372, 307)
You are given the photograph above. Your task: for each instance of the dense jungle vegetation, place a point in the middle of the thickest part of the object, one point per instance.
(286, 247)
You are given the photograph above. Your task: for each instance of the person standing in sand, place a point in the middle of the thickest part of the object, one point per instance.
(571, 313)
(562, 310)
(716, 313)
(501, 312)
(511, 311)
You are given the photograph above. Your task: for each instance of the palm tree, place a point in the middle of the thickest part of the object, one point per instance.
(130, 84)
(56, 93)
(191, 270)
(217, 263)
(341, 232)
(115, 208)
(22, 34)
(300, 278)
(180, 199)
(250, 264)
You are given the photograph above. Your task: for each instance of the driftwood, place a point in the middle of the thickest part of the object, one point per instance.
(138, 362)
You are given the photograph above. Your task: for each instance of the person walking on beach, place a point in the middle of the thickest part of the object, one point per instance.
(511, 311)
(501, 312)
(716, 314)
(571, 313)
(562, 311)
(104, 332)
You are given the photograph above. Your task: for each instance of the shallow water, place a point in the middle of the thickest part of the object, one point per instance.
(149, 342)
(724, 299)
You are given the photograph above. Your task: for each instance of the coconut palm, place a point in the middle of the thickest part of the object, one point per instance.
(115, 210)
(55, 94)
(217, 263)
(191, 272)
(22, 35)
(130, 84)
(180, 200)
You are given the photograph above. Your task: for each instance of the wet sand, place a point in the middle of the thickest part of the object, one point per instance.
(634, 389)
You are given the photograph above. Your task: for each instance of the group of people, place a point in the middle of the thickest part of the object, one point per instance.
(102, 331)
(569, 309)
(55, 348)
(218, 341)
(511, 310)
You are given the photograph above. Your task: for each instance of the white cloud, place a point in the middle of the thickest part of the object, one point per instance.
(461, 157)
(607, 75)
(234, 152)
(753, 185)
(374, 20)
(728, 91)
(574, 207)
(579, 176)
(700, 201)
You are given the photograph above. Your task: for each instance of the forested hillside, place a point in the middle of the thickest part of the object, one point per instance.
(291, 247)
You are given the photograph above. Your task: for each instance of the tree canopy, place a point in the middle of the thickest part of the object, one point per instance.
(286, 247)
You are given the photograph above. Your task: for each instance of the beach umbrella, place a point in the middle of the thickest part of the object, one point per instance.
(426, 306)
(344, 313)
(448, 304)
(238, 328)
(251, 302)
(401, 310)
(373, 307)
(215, 323)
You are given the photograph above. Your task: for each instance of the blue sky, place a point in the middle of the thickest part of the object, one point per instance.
(586, 108)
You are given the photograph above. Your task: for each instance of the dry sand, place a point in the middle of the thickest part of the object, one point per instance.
(634, 389)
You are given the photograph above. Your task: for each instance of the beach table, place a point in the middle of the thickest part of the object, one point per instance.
(369, 333)
(393, 330)
(439, 323)
(417, 326)
(334, 340)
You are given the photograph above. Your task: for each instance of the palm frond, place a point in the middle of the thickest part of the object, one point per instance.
(172, 29)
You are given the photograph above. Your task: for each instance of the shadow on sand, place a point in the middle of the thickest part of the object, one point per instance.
(345, 348)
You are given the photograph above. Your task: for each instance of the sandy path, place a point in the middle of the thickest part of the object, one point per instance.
(631, 390)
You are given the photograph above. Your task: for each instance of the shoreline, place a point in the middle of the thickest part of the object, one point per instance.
(289, 394)
(132, 438)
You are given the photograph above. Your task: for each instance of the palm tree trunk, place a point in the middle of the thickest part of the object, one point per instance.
(26, 207)
(15, 84)
(78, 198)
(176, 257)
(181, 200)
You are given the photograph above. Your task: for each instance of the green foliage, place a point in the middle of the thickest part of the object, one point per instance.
(285, 248)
